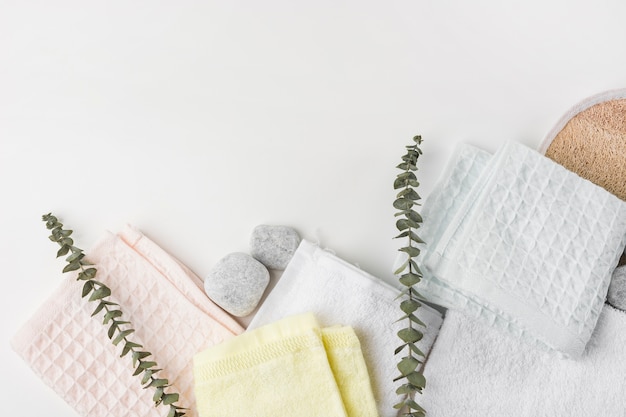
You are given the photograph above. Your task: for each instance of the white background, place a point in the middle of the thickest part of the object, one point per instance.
(198, 120)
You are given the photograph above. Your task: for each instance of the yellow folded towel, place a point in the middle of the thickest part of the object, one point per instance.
(348, 365)
(289, 367)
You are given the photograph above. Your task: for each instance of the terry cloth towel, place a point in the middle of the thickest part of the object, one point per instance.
(290, 367)
(340, 293)
(172, 317)
(523, 244)
(476, 371)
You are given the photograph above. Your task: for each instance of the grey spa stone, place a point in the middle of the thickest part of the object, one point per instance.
(237, 283)
(617, 289)
(274, 246)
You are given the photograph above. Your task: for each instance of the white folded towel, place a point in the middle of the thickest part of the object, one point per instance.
(339, 293)
(522, 244)
(477, 371)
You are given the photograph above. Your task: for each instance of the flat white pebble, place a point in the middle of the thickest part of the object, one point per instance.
(274, 246)
(237, 283)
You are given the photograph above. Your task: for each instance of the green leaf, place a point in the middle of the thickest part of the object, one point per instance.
(403, 204)
(112, 330)
(416, 350)
(407, 365)
(170, 398)
(412, 251)
(399, 349)
(87, 288)
(147, 364)
(403, 224)
(409, 306)
(405, 389)
(158, 393)
(161, 382)
(414, 216)
(139, 355)
(409, 279)
(128, 346)
(172, 412)
(71, 267)
(406, 166)
(90, 272)
(121, 335)
(410, 335)
(407, 175)
(100, 293)
(147, 375)
(75, 257)
(417, 379)
(98, 309)
(402, 267)
(63, 251)
(399, 405)
(409, 194)
(111, 315)
(400, 183)
(416, 320)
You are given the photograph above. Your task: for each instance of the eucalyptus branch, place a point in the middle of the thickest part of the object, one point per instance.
(408, 222)
(119, 329)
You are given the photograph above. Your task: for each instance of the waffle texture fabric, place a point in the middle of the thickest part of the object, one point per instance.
(340, 293)
(172, 317)
(522, 244)
(290, 367)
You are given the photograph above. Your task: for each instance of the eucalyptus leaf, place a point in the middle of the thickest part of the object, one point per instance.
(416, 350)
(147, 364)
(408, 175)
(90, 272)
(407, 365)
(170, 398)
(412, 251)
(409, 306)
(409, 279)
(399, 349)
(100, 293)
(121, 335)
(147, 376)
(410, 335)
(98, 308)
(112, 328)
(87, 288)
(159, 382)
(111, 315)
(403, 203)
(74, 257)
(405, 389)
(63, 251)
(158, 393)
(71, 267)
(417, 379)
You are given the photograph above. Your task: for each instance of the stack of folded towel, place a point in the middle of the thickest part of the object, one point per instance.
(290, 367)
(522, 244)
(337, 292)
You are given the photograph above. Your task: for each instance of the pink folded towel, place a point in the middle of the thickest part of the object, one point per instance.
(172, 317)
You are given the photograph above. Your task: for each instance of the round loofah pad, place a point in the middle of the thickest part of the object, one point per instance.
(590, 140)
